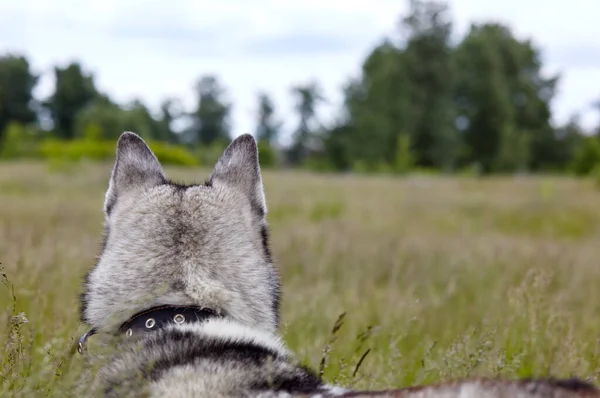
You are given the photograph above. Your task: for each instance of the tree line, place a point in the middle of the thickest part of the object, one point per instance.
(421, 100)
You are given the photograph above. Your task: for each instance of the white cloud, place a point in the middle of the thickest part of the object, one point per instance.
(153, 49)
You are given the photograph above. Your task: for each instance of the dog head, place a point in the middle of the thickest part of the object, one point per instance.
(167, 243)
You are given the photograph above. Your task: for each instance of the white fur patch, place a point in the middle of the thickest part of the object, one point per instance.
(335, 390)
(231, 331)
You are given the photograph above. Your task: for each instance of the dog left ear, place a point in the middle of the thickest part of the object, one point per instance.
(135, 167)
(238, 168)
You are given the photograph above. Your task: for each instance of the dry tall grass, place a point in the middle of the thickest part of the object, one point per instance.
(439, 278)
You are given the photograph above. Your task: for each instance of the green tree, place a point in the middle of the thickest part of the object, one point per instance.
(170, 111)
(483, 101)
(405, 85)
(73, 91)
(531, 93)
(137, 118)
(428, 61)
(267, 127)
(308, 96)
(376, 107)
(483, 97)
(338, 144)
(210, 119)
(568, 139)
(501, 89)
(105, 118)
(513, 152)
(17, 82)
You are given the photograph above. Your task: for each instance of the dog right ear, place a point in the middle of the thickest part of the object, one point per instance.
(135, 167)
(239, 168)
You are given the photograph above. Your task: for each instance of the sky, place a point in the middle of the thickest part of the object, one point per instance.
(153, 49)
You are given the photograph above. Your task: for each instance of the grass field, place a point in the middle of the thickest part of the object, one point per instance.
(440, 278)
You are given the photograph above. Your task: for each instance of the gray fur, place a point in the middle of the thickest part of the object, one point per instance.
(206, 245)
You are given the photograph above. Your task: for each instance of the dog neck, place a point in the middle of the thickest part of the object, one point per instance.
(157, 318)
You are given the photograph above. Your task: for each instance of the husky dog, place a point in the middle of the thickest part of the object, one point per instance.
(186, 284)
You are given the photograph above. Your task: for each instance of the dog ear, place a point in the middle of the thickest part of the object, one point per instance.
(135, 167)
(238, 168)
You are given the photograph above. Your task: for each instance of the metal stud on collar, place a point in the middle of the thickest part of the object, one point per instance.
(179, 319)
(150, 322)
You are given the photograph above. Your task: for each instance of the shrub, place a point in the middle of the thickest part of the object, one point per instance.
(210, 154)
(404, 160)
(80, 149)
(18, 141)
(596, 175)
(173, 154)
(587, 156)
(53, 149)
(267, 156)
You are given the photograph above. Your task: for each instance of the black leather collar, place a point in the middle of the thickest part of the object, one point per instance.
(157, 318)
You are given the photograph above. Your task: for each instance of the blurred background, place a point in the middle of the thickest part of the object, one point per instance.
(367, 86)
(431, 173)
